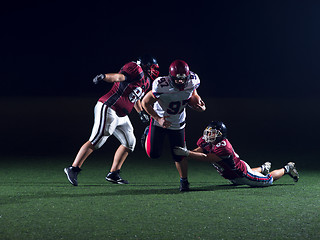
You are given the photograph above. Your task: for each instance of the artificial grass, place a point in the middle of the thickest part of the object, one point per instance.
(37, 202)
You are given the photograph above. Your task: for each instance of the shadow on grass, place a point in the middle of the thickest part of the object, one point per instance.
(117, 190)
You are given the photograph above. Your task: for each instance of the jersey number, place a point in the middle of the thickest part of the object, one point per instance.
(163, 82)
(174, 107)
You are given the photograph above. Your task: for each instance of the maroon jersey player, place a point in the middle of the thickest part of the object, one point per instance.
(214, 147)
(111, 115)
(124, 94)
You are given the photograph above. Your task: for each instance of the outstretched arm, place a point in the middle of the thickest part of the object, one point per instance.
(109, 77)
(196, 154)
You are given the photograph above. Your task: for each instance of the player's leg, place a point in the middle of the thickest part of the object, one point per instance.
(119, 158)
(264, 168)
(155, 139)
(83, 154)
(289, 169)
(277, 174)
(256, 179)
(177, 138)
(96, 140)
(124, 133)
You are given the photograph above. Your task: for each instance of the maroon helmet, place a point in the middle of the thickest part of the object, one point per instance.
(179, 73)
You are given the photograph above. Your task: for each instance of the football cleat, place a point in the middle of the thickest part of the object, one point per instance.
(72, 174)
(291, 170)
(114, 177)
(265, 168)
(184, 186)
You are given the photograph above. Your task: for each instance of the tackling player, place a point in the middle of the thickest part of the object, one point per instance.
(214, 147)
(166, 105)
(111, 115)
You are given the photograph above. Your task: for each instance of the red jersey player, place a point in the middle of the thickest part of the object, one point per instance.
(214, 147)
(111, 115)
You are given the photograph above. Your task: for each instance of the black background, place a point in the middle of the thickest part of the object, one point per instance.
(262, 57)
(238, 48)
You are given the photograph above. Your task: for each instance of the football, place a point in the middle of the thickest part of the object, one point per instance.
(196, 103)
(194, 100)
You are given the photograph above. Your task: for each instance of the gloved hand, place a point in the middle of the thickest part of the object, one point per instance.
(98, 78)
(180, 151)
(144, 117)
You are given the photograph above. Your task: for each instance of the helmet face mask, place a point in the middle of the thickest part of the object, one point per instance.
(210, 134)
(215, 132)
(153, 72)
(179, 74)
(149, 65)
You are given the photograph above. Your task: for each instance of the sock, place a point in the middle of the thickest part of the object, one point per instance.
(286, 169)
(76, 169)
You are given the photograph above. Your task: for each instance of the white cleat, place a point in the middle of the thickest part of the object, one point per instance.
(265, 168)
(292, 171)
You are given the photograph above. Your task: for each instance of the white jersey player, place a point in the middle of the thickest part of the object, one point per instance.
(166, 104)
(172, 101)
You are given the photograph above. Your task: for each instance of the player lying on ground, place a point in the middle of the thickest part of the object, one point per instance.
(214, 147)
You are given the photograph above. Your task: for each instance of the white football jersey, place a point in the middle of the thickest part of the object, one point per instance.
(172, 101)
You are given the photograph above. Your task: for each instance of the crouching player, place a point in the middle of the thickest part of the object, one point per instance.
(214, 147)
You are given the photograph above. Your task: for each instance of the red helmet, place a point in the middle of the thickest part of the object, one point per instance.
(179, 73)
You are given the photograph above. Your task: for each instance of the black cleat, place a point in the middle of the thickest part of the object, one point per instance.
(72, 174)
(184, 186)
(114, 177)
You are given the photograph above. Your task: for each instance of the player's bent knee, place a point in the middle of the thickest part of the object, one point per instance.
(153, 155)
(130, 145)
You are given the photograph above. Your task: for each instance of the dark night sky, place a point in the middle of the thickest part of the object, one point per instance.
(238, 48)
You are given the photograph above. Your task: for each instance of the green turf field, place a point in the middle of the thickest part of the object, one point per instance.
(37, 202)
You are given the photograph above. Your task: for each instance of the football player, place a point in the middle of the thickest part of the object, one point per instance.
(166, 104)
(111, 115)
(214, 147)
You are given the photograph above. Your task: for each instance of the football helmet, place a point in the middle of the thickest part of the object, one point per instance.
(215, 132)
(149, 66)
(179, 73)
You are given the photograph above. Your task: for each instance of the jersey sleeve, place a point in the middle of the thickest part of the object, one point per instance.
(195, 80)
(200, 142)
(159, 86)
(206, 147)
(132, 71)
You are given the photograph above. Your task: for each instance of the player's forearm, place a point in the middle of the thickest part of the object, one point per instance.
(114, 77)
(199, 156)
(149, 109)
(137, 106)
(147, 104)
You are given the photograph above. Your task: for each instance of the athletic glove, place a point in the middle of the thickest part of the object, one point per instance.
(98, 78)
(180, 151)
(144, 117)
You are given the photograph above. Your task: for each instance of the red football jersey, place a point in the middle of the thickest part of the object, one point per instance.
(123, 95)
(230, 166)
